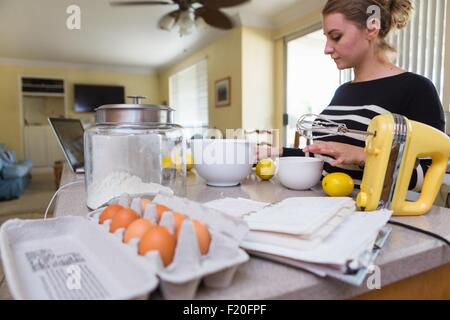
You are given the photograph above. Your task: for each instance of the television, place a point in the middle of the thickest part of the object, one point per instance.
(89, 97)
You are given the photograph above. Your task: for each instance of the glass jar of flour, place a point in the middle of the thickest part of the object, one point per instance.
(135, 149)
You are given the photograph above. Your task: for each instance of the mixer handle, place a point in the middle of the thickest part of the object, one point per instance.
(425, 141)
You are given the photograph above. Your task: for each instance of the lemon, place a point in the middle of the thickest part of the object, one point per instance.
(265, 169)
(338, 184)
(189, 162)
(166, 162)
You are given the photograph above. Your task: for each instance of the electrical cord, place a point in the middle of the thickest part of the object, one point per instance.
(57, 191)
(395, 223)
(428, 233)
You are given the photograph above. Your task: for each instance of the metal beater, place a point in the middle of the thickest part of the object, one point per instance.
(310, 123)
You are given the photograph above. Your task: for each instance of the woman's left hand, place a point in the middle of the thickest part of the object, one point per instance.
(343, 153)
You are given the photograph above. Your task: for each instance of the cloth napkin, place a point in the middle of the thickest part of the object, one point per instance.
(301, 216)
(347, 242)
(236, 207)
(299, 242)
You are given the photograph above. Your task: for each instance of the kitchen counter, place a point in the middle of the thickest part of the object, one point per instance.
(406, 254)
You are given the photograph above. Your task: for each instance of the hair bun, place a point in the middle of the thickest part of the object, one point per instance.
(401, 11)
(394, 15)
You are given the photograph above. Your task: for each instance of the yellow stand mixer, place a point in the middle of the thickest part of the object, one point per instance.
(393, 145)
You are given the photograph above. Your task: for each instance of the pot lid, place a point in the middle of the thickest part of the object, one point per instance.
(134, 113)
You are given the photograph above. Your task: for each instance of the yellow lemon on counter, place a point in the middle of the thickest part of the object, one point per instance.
(338, 184)
(189, 162)
(166, 162)
(265, 169)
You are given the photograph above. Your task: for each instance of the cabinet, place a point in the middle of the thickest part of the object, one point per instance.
(42, 98)
(42, 146)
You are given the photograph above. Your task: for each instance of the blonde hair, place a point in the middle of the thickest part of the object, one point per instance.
(395, 15)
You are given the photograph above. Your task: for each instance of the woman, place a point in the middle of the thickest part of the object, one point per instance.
(379, 86)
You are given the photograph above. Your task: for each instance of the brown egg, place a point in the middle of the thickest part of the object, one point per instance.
(123, 219)
(137, 229)
(203, 236)
(179, 218)
(109, 212)
(145, 203)
(161, 239)
(160, 209)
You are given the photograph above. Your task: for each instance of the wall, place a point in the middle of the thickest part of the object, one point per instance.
(224, 60)
(246, 55)
(257, 78)
(11, 112)
(256, 56)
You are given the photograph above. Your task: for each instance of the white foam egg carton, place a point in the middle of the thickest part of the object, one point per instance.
(70, 258)
(181, 279)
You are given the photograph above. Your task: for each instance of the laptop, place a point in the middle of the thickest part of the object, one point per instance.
(70, 134)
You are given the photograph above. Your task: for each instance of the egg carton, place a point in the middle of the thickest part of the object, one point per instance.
(181, 279)
(69, 258)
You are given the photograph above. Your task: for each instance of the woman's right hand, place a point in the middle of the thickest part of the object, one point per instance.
(265, 151)
(342, 153)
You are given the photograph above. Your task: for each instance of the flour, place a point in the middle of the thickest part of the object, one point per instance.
(117, 183)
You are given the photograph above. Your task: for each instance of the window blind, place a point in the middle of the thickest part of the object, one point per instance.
(188, 94)
(421, 45)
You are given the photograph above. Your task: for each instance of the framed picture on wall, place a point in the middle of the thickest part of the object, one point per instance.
(223, 92)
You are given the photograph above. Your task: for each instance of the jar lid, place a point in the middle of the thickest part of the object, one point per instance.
(134, 113)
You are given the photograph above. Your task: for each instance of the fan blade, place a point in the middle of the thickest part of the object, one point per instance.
(138, 3)
(164, 24)
(214, 18)
(222, 3)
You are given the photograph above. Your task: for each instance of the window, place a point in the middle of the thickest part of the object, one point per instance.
(421, 45)
(311, 78)
(188, 94)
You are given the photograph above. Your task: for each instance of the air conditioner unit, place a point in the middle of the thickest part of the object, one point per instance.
(39, 85)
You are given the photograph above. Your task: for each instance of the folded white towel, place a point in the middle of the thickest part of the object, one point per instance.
(236, 207)
(302, 217)
(348, 241)
(299, 242)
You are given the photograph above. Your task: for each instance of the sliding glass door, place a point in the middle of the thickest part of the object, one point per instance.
(311, 79)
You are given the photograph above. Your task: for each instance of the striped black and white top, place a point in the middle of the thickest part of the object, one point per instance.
(356, 104)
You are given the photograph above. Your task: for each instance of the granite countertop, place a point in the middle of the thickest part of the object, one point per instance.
(405, 254)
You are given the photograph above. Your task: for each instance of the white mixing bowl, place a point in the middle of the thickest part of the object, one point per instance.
(223, 162)
(299, 173)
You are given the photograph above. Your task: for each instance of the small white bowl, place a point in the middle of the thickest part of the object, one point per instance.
(223, 162)
(299, 173)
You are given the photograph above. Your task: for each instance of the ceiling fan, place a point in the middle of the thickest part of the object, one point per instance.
(190, 13)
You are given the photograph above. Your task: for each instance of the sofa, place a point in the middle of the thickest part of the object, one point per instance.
(14, 176)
